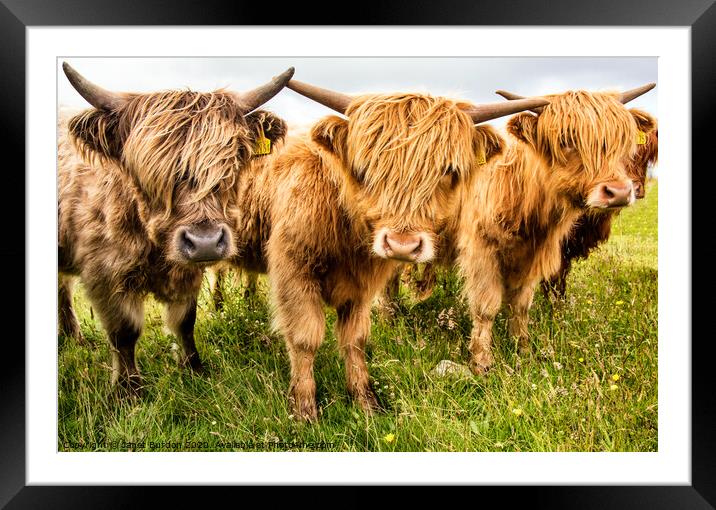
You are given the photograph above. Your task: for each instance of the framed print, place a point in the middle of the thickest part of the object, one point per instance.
(608, 405)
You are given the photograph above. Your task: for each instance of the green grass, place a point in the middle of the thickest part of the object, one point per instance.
(563, 397)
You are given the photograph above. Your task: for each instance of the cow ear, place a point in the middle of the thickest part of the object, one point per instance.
(96, 133)
(644, 121)
(274, 128)
(331, 133)
(523, 126)
(488, 141)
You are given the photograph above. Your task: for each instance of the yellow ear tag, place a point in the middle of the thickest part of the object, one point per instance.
(640, 138)
(481, 159)
(263, 144)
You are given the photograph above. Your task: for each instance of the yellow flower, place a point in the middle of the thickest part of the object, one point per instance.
(517, 411)
(620, 302)
(581, 360)
(613, 387)
(589, 301)
(389, 438)
(615, 377)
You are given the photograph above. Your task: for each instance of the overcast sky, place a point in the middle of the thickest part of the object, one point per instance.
(472, 79)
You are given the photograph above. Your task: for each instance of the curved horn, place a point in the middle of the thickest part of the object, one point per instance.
(254, 98)
(485, 112)
(96, 96)
(333, 100)
(513, 97)
(634, 93)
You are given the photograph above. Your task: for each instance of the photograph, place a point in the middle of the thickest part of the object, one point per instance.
(358, 254)
(414, 245)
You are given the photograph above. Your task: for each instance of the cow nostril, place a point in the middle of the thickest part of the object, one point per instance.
(386, 244)
(419, 247)
(221, 242)
(608, 192)
(187, 242)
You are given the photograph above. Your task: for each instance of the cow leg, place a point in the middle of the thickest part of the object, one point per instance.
(560, 281)
(180, 318)
(389, 298)
(556, 287)
(484, 291)
(122, 315)
(69, 325)
(353, 329)
(300, 318)
(519, 301)
(216, 278)
(392, 290)
(251, 282)
(426, 284)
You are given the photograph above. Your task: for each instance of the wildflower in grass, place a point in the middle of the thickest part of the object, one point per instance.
(557, 365)
(517, 411)
(581, 360)
(615, 377)
(213, 422)
(589, 301)
(499, 445)
(619, 303)
(389, 438)
(613, 387)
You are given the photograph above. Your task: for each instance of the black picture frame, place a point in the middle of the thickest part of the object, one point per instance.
(700, 15)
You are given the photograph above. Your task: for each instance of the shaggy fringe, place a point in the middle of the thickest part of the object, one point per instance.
(407, 141)
(168, 138)
(596, 124)
(184, 136)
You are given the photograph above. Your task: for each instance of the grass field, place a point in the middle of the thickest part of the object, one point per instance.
(589, 385)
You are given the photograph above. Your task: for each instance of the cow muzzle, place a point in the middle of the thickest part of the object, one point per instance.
(203, 242)
(407, 247)
(611, 195)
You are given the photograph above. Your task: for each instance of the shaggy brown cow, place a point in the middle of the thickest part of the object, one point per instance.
(594, 228)
(146, 195)
(357, 197)
(566, 160)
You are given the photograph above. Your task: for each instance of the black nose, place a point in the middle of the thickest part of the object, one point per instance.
(203, 243)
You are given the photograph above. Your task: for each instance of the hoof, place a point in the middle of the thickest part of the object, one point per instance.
(481, 363)
(368, 401)
(304, 409)
(195, 364)
(132, 387)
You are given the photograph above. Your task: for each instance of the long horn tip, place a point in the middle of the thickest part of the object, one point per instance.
(69, 70)
(286, 75)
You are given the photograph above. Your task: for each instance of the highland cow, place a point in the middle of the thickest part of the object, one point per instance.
(147, 191)
(567, 159)
(593, 228)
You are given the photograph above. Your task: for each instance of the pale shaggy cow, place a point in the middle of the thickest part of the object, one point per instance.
(568, 158)
(147, 191)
